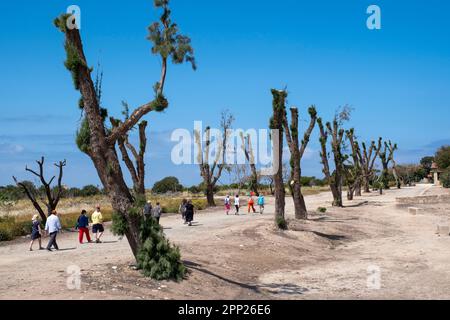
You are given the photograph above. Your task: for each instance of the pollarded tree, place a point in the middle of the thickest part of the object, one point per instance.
(297, 150)
(386, 156)
(247, 147)
(52, 195)
(276, 125)
(99, 142)
(335, 179)
(392, 148)
(354, 171)
(368, 158)
(211, 171)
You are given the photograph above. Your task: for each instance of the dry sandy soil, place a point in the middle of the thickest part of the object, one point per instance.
(244, 257)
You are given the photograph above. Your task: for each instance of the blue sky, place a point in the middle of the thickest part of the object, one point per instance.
(396, 78)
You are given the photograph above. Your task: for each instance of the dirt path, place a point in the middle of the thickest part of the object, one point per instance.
(243, 257)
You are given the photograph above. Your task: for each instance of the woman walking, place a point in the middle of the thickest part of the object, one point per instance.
(237, 204)
(227, 204)
(251, 204)
(190, 210)
(36, 232)
(182, 210)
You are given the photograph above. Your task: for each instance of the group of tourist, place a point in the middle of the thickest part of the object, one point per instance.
(186, 209)
(53, 227)
(152, 212)
(250, 203)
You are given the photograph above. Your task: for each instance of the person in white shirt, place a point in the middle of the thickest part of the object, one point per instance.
(53, 226)
(227, 205)
(237, 204)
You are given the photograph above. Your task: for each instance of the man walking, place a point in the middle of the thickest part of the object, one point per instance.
(148, 209)
(97, 224)
(156, 212)
(53, 226)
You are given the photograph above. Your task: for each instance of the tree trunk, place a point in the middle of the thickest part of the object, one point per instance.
(337, 195)
(358, 188)
(254, 179)
(301, 212)
(210, 195)
(366, 185)
(350, 194)
(277, 136)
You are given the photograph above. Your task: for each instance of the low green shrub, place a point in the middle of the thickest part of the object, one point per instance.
(322, 209)
(445, 178)
(157, 258)
(281, 223)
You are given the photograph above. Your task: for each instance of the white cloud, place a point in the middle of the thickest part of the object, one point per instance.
(7, 148)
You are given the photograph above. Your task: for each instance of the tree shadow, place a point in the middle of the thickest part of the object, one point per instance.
(198, 267)
(360, 204)
(333, 237)
(329, 219)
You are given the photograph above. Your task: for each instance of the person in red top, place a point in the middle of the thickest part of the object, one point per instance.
(251, 204)
(83, 227)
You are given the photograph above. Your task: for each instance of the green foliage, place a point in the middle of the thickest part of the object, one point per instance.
(61, 22)
(194, 190)
(157, 258)
(426, 163)
(281, 223)
(442, 157)
(321, 209)
(445, 178)
(312, 111)
(166, 39)
(119, 225)
(89, 191)
(83, 137)
(73, 63)
(13, 193)
(160, 103)
(169, 184)
(410, 173)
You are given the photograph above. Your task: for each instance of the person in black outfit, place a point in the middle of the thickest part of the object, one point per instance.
(190, 210)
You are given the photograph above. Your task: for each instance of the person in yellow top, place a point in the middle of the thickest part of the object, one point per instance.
(97, 224)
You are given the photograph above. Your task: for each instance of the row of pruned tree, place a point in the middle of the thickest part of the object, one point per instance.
(346, 162)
